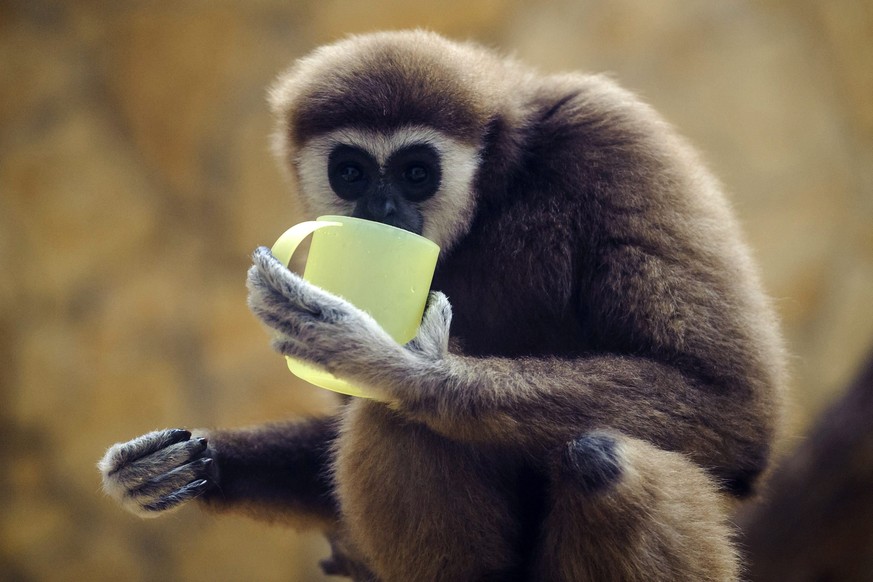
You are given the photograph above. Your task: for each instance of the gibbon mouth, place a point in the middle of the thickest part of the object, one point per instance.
(404, 223)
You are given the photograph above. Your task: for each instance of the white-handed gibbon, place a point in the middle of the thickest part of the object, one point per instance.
(596, 379)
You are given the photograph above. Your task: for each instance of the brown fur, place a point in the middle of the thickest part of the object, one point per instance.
(664, 513)
(602, 300)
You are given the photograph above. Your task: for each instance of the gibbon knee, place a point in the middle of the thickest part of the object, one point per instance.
(624, 510)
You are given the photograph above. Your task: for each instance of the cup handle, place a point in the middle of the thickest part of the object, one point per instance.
(285, 245)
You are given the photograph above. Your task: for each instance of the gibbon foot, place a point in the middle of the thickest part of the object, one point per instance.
(592, 461)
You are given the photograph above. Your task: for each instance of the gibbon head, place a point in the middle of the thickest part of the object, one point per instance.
(389, 127)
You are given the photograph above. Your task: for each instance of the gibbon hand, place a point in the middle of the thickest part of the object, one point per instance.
(326, 330)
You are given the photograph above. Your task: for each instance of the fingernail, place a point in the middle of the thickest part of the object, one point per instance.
(180, 434)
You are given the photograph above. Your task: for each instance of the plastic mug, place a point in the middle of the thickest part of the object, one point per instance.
(382, 270)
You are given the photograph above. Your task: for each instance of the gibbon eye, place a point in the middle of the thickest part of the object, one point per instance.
(416, 174)
(350, 171)
(416, 170)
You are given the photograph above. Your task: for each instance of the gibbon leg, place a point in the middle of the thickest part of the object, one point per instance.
(624, 510)
(419, 507)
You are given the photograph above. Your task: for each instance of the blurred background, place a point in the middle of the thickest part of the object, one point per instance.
(135, 179)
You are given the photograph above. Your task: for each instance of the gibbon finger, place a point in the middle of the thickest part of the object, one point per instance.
(186, 493)
(120, 455)
(174, 480)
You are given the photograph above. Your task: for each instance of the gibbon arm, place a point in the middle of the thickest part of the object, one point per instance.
(701, 403)
(276, 472)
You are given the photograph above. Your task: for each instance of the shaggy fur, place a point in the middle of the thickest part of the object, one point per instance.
(597, 376)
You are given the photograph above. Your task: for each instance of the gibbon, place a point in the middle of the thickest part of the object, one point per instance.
(597, 377)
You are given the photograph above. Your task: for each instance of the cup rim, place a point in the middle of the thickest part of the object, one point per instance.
(373, 224)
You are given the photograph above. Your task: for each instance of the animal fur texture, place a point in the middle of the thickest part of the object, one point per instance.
(596, 379)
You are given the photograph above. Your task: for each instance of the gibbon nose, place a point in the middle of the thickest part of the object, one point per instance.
(387, 205)
(381, 207)
(382, 204)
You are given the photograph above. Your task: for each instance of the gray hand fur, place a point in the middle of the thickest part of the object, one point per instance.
(158, 471)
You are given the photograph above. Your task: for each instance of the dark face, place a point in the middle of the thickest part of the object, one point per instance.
(390, 194)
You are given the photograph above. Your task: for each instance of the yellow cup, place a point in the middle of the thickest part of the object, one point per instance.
(382, 270)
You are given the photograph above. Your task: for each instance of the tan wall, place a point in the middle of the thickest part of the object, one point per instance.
(135, 180)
